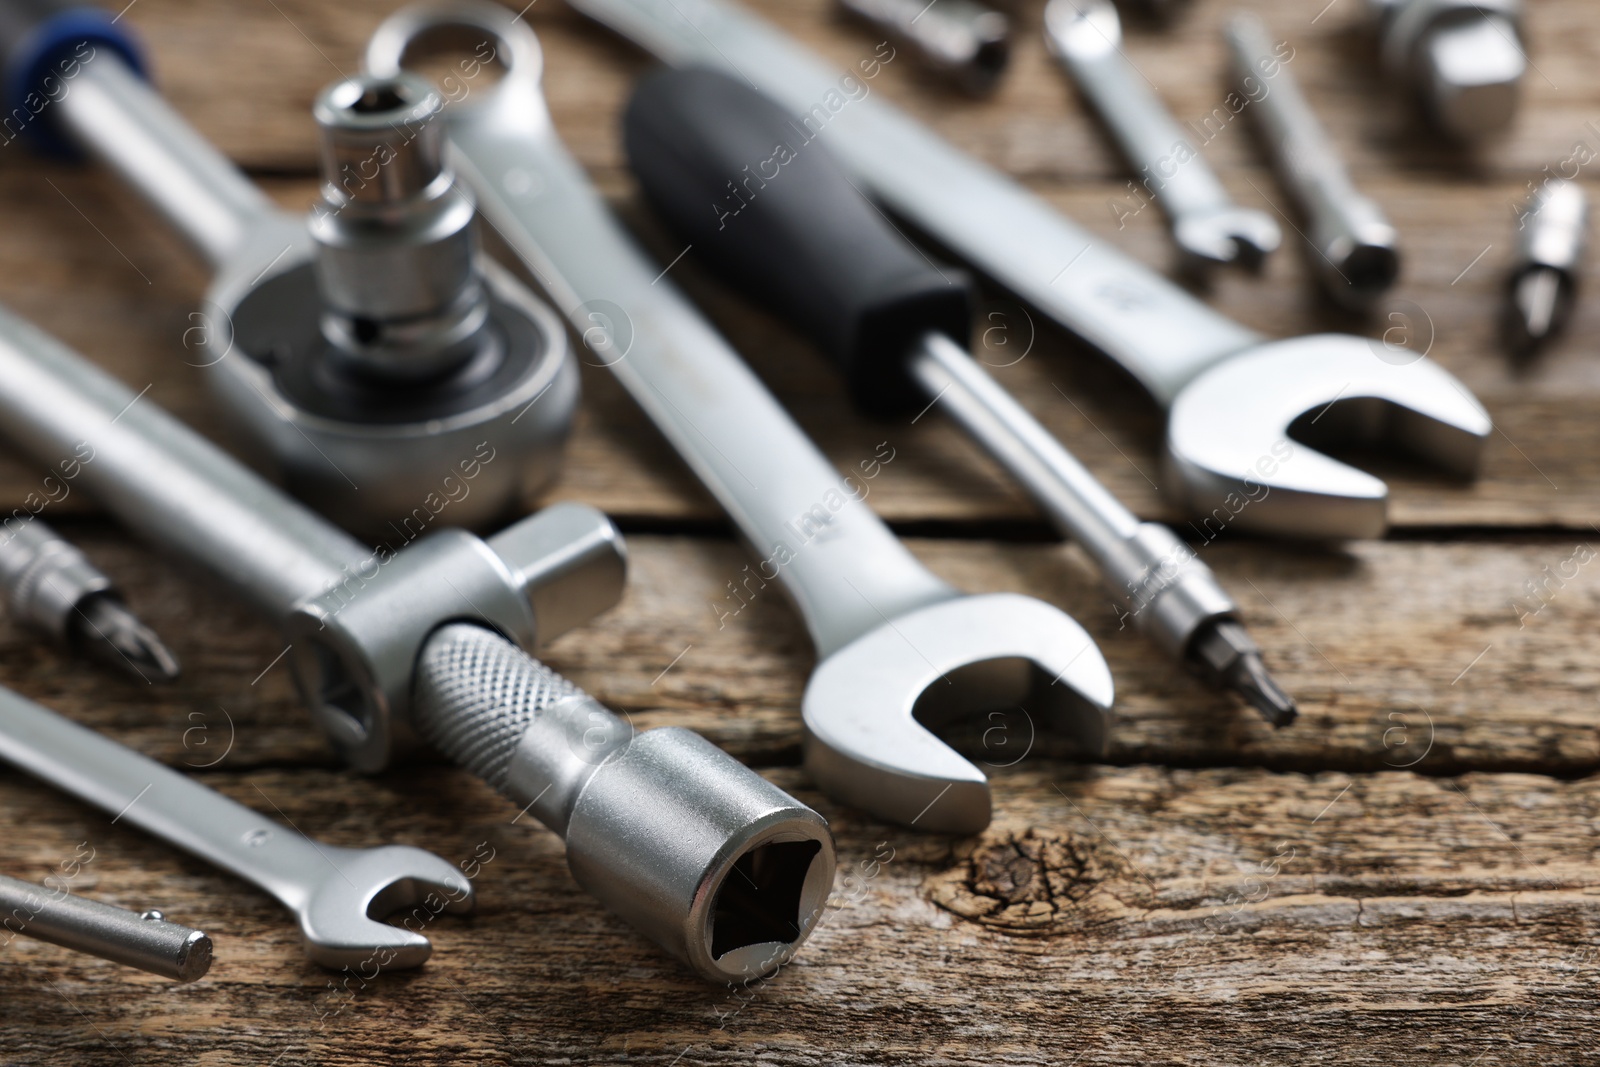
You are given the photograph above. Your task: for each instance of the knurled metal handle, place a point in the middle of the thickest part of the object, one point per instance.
(476, 696)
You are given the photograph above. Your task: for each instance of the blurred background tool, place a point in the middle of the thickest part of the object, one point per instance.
(814, 249)
(136, 939)
(1463, 60)
(50, 586)
(1354, 244)
(360, 351)
(1085, 36)
(966, 40)
(1233, 396)
(1553, 234)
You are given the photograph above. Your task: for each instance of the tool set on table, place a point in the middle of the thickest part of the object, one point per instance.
(370, 353)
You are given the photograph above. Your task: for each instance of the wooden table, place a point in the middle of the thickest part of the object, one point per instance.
(1408, 875)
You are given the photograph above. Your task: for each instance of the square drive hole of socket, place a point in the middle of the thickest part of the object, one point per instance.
(759, 901)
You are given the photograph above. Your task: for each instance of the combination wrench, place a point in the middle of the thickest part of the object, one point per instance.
(895, 644)
(1232, 395)
(808, 245)
(1085, 36)
(337, 894)
(426, 640)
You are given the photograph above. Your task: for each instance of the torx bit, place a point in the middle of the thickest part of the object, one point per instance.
(51, 586)
(136, 939)
(1544, 276)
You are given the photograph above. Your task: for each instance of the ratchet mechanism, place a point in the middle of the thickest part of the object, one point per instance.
(364, 352)
(808, 244)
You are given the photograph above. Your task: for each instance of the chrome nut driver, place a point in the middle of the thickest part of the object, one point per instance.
(895, 643)
(814, 249)
(1232, 395)
(361, 351)
(1085, 36)
(337, 894)
(695, 850)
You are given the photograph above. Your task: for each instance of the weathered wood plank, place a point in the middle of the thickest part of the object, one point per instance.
(1166, 915)
(1403, 654)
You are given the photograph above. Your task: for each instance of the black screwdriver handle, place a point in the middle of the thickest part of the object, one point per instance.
(760, 200)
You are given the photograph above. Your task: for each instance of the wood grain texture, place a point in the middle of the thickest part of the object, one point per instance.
(1409, 874)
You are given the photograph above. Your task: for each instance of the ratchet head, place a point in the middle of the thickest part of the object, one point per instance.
(866, 705)
(357, 887)
(1237, 235)
(1230, 455)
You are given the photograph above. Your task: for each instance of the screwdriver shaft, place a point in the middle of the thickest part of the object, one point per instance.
(143, 940)
(1173, 597)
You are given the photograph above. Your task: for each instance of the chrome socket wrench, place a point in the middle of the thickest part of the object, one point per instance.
(362, 351)
(1462, 60)
(700, 853)
(1232, 395)
(897, 646)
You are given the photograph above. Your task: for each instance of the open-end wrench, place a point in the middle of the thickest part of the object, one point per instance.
(894, 642)
(1085, 36)
(698, 852)
(1233, 395)
(811, 247)
(360, 351)
(337, 894)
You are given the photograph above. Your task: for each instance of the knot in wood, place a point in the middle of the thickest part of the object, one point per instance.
(1023, 881)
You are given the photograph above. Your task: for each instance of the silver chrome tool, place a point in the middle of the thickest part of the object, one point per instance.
(135, 939)
(1232, 395)
(1463, 60)
(812, 248)
(1085, 36)
(337, 894)
(363, 354)
(969, 41)
(50, 585)
(1552, 236)
(1353, 243)
(895, 644)
(700, 853)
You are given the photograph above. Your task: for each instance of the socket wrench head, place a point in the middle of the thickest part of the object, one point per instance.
(355, 647)
(704, 856)
(1463, 58)
(711, 861)
(371, 354)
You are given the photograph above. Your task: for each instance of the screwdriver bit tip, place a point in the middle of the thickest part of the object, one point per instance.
(106, 629)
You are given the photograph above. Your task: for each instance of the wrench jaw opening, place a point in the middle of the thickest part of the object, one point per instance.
(1242, 438)
(1234, 235)
(864, 744)
(357, 888)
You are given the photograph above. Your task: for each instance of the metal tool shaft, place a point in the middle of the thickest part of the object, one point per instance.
(115, 115)
(164, 480)
(135, 939)
(1355, 243)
